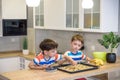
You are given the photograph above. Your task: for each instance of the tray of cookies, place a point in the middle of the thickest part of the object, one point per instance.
(80, 67)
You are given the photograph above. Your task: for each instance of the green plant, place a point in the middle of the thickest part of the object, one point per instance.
(25, 44)
(110, 41)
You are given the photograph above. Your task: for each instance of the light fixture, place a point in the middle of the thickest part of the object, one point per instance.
(87, 4)
(33, 3)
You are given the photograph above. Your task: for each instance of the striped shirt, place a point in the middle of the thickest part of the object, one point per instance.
(41, 60)
(78, 56)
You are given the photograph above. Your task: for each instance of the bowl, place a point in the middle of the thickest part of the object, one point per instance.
(100, 55)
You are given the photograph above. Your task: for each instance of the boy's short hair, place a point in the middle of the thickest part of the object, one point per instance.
(80, 38)
(48, 44)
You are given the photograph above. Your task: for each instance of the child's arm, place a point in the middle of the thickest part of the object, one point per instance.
(85, 57)
(37, 67)
(69, 59)
(88, 59)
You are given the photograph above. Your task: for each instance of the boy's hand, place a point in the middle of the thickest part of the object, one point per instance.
(45, 66)
(88, 59)
(74, 63)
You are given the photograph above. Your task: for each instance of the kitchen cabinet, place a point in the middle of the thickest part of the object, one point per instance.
(39, 15)
(0, 19)
(27, 63)
(24, 63)
(69, 15)
(13, 9)
(73, 14)
(53, 14)
(13, 64)
(92, 16)
(103, 17)
(9, 64)
(0, 28)
(49, 15)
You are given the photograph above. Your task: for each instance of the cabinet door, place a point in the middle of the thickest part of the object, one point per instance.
(50, 14)
(0, 28)
(92, 16)
(54, 14)
(14, 9)
(27, 63)
(9, 64)
(73, 14)
(103, 17)
(39, 15)
(24, 63)
(109, 15)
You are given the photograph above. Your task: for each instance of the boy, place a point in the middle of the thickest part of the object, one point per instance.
(48, 56)
(77, 44)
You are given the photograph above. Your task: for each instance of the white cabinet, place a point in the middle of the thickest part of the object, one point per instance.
(74, 14)
(109, 15)
(54, 14)
(39, 15)
(9, 64)
(0, 28)
(0, 19)
(103, 17)
(13, 9)
(27, 63)
(13, 64)
(49, 15)
(24, 63)
(69, 15)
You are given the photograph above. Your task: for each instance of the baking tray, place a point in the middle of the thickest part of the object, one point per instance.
(90, 67)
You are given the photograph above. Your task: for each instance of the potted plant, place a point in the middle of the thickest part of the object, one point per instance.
(25, 47)
(110, 41)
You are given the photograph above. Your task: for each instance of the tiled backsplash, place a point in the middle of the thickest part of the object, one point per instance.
(10, 43)
(63, 39)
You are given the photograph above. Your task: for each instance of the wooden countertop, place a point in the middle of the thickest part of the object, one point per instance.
(16, 54)
(59, 75)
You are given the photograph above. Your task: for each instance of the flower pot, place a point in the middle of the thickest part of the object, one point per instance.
(111, 57)
(100, 55)
(25, 52)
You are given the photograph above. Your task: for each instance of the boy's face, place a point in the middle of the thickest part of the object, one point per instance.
(51, 53)
(76, 45)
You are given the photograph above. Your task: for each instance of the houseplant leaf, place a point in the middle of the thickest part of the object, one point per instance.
(25, 44)
(110, 41)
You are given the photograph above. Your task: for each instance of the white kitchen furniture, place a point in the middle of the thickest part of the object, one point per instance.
(0, 28)
(9, 64)
(24, 63)
(13, 9)
(69, 15)
(0, 19)
(13, 64)
(39, 15)
(103, 17)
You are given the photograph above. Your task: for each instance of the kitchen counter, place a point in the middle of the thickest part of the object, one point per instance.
(16, 54)
(59, 75)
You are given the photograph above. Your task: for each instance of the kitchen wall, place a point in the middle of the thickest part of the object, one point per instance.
(63, 38)
(10, 43)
